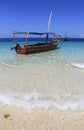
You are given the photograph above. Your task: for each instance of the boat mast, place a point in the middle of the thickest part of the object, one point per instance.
(48, 26)
(49, 21)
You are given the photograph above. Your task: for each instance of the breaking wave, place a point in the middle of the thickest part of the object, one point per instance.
(78, 65)
(39, 100)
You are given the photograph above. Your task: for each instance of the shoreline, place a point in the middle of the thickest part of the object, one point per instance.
(41, 83)
(17, 118)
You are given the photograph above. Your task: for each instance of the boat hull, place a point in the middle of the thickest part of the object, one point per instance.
(30, 49)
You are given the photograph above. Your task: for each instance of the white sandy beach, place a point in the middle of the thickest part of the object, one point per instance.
(12, 118)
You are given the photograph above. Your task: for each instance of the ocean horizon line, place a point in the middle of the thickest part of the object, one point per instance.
(5, 39)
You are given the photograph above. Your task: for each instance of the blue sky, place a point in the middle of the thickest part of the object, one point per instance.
(33, 15)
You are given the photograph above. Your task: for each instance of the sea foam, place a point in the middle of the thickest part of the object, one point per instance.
(39, 100)
(78, 65)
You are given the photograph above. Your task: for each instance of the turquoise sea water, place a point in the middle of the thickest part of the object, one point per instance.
(68, 52)
(48, 79)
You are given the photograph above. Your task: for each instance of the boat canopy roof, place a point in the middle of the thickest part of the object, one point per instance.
(35, 33)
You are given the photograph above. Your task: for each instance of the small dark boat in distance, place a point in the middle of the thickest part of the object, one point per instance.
(66, 38)
(38, 47)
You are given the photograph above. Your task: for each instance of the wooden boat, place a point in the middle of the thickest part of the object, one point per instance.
(38, 47)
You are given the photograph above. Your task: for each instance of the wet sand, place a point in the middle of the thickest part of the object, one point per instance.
(15, 118)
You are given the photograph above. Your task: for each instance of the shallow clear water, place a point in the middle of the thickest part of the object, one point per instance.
(67, 52)
(48, 79)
